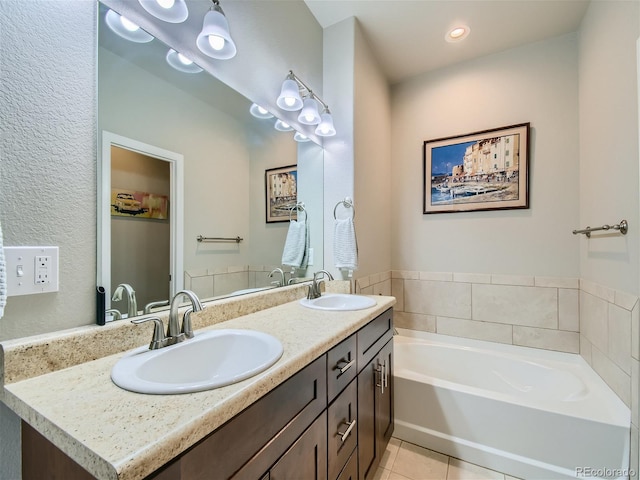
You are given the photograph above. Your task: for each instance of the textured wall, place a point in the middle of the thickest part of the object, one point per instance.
(48, 148)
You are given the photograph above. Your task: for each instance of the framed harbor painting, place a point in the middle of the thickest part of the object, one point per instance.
(487, 170)
(281, 187)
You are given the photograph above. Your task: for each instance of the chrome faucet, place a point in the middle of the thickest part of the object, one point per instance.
(115, 313)
(278, 283)
(174, 333)
(131, 298)
(149, 306)
(314, 288)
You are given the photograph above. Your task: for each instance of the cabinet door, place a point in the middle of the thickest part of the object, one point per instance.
(307, 458)
(375, 411)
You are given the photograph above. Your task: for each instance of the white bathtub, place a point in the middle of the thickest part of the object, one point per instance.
(533, 414)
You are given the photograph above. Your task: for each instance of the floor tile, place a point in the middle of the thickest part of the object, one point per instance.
(460, 470)
(382, 474)
(390, 453)
(417, 463)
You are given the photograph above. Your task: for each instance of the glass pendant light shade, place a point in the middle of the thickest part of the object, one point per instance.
(325, 128)
(299, 137)
(283, 126)
(181, 63)
(172, 11)
(289, 98)
(259, 112)
(215, 40)
(309, 114)
(126, 28)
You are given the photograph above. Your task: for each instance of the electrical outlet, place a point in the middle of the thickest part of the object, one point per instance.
(31, 270)
(42, 271)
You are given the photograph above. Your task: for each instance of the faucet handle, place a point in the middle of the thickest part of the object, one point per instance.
(187, 329)
(158, 340)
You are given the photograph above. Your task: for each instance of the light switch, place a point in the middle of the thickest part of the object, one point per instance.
(31, 270)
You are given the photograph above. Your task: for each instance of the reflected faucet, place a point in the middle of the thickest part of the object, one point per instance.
(314, 288)
(278, 283)
(131, 298)
(150, 306)
(174, 334)
(115, 313)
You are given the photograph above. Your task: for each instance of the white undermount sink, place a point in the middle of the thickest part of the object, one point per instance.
(209, 360)
(339, 302)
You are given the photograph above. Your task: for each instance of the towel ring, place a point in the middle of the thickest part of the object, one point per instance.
(346, 203)
(298, 207)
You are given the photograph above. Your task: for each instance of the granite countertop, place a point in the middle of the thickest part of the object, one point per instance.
(116, 434)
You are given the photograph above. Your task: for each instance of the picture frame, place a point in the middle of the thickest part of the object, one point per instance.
(281, 189)
(132, 203)
(486, 170)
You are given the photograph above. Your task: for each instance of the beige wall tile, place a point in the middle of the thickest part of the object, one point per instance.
(520, 280)
(438, 298)
(406, 274)
(599, 291)
(458, 327)
(397, 290)
(569, 309)
(558, 282)
(593, 320)
(385, 275)
(625, 300)
(547, 339)
(415, 321)
(202, 286)
(363, 282)
(472, 277)
(367, 290)
(382, 288)
(230, 282)
(437, 276)
(585, 349)
(619, 381)
(529, 306)
(620, 337)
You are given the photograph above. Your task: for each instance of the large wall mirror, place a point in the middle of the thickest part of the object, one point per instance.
(182, 157)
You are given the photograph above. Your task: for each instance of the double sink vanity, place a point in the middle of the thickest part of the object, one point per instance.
(307, 393)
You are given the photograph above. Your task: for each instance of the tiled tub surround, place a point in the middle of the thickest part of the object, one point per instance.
(114, 433)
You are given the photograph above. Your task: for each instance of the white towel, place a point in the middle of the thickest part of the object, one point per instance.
(296, 244)
(3, 277)
(345, 245)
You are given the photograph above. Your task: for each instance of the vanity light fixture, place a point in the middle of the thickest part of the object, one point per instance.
(259, 112)
(181, 63)
(300, 137)
(215, 40)
(291, 101)
(283, 126)
(172, 11)
(125, 28)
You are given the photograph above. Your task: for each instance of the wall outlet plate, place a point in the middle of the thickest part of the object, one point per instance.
(31, 270)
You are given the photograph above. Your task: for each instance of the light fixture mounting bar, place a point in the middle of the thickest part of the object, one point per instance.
(306, 87)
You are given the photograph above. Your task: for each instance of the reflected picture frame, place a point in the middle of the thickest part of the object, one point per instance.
(485, 170)
(281, 191)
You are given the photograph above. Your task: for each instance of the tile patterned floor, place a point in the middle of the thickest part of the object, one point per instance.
(405, 461)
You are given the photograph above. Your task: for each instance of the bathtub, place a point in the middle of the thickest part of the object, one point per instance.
(530, 413)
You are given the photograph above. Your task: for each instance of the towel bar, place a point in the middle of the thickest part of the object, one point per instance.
(623, 227)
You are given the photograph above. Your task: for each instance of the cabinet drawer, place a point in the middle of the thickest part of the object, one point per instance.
(341, 366)
(372, 337)
(342, 434)
(248, 444)
(350, 470)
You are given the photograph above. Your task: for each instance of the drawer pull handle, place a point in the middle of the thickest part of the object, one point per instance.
(345, 434)
(347, 365)
(384, 381)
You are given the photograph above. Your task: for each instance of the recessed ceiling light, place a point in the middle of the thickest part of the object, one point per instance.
(457, 33)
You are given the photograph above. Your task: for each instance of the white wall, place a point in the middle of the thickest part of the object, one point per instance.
(609, 142)
(536, 83)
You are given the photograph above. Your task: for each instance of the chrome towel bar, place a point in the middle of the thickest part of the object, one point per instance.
(200, 238)
(623, 227)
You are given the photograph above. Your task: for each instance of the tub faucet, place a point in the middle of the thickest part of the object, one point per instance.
(174, 333)
(131, 298)
(314, 288)
(278, 283)
(115, 313)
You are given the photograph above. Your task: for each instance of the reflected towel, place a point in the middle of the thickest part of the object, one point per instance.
(296, 244)
(3, 277)
(345, 245)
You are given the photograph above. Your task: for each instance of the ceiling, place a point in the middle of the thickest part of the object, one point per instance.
(408, 36)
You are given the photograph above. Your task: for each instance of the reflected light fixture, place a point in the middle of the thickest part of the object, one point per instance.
(283, 126)
(291, 101)
(125, 28)
(259, 112)
(172, 11)
(215, 39)
(300, 137)
(181, 63)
